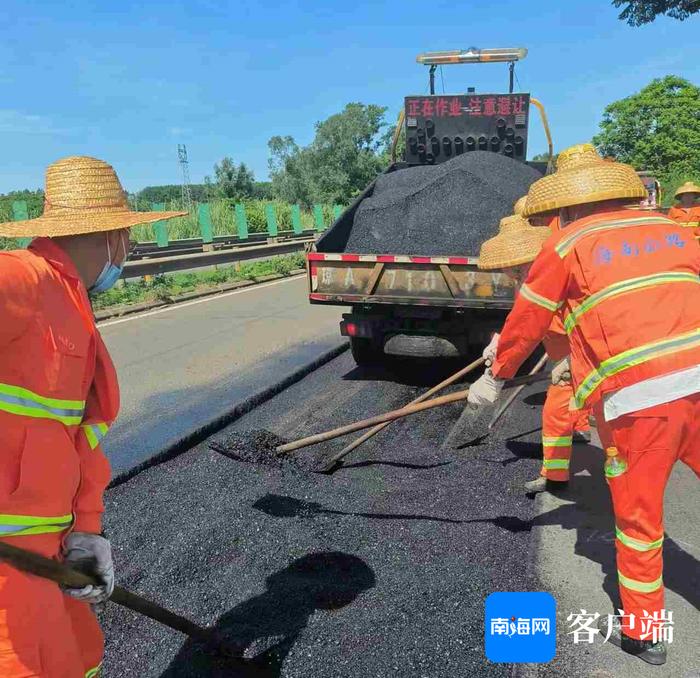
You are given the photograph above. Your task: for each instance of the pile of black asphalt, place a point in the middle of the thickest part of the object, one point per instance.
(380, 569)
(445, 209)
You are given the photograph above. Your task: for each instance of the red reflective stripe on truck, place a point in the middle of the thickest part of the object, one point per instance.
(315, 256)
(392, 258)
(420, 260)
(386, 258)
(349, 257)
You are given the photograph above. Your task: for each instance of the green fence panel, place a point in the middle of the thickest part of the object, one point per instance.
(318, 217)
(241, 222)
(296, 219)
(160, 227)
(20, 212)
(271, 218)
(205, 225)
(337, 211)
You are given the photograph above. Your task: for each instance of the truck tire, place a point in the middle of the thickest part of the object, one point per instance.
(365, 351)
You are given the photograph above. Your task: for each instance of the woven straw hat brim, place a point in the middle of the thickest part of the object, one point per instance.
(80, 224)
(593, 182)
(687, 187)
(512, 249)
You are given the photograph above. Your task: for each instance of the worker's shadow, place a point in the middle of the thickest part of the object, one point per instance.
(591, 515)
(264, 628)
(279, 506)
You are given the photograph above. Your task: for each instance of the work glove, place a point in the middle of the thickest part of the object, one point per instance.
(561, 372)
(489, 354)
(485, 389)
(90, 554)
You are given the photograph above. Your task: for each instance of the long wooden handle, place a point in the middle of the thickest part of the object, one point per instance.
(33, 563)
(333, 461)
(372, 421)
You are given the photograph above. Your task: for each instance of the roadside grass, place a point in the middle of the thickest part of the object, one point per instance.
(162, 287)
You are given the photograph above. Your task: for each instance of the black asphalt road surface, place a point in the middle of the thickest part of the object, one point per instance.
(379, 570)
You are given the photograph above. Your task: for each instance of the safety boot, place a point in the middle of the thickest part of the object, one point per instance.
(646, 650)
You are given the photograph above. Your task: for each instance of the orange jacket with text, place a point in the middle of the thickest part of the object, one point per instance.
(627, 285)
(58, 396)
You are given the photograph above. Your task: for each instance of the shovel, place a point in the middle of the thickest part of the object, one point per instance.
(68, 577)
(334, 462)
(397, 414)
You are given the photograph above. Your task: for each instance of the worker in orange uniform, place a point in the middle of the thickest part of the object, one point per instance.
(561, 426)
(58, 397)
(627, 283)
(687, 212)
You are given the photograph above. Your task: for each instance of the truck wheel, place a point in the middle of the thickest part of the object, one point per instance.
(365, 351)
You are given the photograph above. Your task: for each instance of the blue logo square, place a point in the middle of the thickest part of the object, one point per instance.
(520, 627)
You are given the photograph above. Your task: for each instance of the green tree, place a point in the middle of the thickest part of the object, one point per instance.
(345, 155)
(640, 12)
(233, 181)
(656, 129)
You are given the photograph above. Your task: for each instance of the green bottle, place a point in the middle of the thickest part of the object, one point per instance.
(614, 464)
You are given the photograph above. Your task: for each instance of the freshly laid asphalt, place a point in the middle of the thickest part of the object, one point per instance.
(378, 570)
(187, 364)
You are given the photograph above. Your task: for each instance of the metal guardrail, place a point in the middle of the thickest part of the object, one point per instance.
(183, 262)
(149, 250)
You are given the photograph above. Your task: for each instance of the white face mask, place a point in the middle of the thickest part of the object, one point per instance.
(110, 272)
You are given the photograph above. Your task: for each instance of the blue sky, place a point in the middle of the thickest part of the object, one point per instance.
(127, 81)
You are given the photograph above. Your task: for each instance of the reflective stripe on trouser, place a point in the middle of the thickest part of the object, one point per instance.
(43, 632)
(650, 441)
(557, 428)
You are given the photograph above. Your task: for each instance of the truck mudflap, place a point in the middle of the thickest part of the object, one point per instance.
(397, 279)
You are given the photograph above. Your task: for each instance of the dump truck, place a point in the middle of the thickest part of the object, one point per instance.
(433, 302)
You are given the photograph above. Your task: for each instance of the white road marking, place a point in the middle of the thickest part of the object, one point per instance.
(213, 297)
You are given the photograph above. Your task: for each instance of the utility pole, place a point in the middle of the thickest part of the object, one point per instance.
(184, 165)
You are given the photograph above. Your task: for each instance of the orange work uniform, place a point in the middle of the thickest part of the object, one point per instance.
(58, 396)
(688, 217)
(559, 421)
(627, 284)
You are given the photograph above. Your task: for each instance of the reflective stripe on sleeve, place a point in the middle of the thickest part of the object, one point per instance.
(624, 286)
(561, 441)
(94, 672)
(556, 464)
(632, 358)
(638, 544)
(26, 403)
(640, 586)
(539, 299)
(94, 433)
(567, 244)
(17, 526)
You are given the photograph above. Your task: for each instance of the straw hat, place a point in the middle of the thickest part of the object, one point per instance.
(519, 206)
(516, 243)
(83, 195)
(582, 176)
(687, 187)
